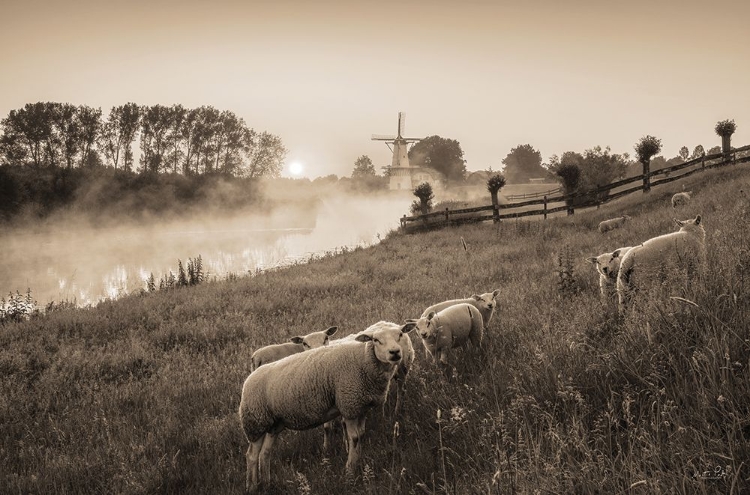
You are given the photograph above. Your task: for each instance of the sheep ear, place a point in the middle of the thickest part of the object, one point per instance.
(477, 297)
(331, 331)
(697, 220)
(363, 337)
(615, 253)
(296, 340)
(592, 260)
(431, 315)
(409, 326)
(495, 292)
(678, 222)
(411, 320)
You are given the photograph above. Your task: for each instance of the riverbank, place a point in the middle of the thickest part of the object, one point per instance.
(140, 395)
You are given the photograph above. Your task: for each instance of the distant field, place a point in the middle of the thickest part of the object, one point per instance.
(140, 395)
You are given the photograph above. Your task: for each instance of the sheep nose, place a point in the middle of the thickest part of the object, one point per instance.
(395, 355)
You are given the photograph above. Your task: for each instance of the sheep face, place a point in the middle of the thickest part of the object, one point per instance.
(426, 327)
(486, 301)
(607, 264)
(692, 225)
(315, 339)
(386, 341)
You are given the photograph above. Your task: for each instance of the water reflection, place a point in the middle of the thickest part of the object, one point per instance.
(88, 265)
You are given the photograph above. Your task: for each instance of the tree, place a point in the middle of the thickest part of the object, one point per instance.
(725, 128)
(424, 193)
(699, 151)
(494, 184)
(714, 150)
(684, 153)
(570, 177)
(266, 155)
(645, 148)
(363, 167)
(523, 163)
(441, 154)
(89, 124)
(119, 132)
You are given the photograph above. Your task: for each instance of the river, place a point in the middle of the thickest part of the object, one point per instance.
(85, 265)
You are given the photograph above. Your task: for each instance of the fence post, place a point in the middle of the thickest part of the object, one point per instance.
(726, 146)
(446, 214)
(403, 221)
(545, 207)
(646, 176)
(495, 213)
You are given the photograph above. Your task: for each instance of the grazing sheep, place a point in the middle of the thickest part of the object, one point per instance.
(274, 352)
(681, 198)
(613, 223)
(449, 328)
(684, 250)
(305, 390)
(608, 266)
(485, 303)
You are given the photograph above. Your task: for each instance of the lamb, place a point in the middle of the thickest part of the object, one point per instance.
(307, 389)
(485, 303)
(274, 352)
(681, 198)
(449, 328)
(659, 256)
(613, 223)
(608, 266)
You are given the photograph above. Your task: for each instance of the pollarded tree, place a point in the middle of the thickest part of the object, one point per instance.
(424, 193)
(725, 129)
(647, 147)
(441, 154)
(494, 184)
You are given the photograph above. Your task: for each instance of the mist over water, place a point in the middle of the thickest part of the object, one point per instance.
(76, 262)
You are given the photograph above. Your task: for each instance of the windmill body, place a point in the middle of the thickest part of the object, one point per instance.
(402, 175)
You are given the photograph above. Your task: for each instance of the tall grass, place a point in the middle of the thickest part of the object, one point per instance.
(140, 395)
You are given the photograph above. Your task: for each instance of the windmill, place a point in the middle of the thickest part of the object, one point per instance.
(400, 172)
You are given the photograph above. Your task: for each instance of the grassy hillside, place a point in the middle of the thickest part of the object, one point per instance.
(140, 395)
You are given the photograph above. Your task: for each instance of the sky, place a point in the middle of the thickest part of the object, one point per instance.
(326, 75)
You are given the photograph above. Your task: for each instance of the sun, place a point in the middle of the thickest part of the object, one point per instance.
(296, 168)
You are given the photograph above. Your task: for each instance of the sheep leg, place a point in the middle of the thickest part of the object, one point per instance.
(265, 458)
(327, 435)
(253, 452)
(355, 427)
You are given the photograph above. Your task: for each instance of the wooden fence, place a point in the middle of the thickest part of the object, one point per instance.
(595, 197)
(514, 197)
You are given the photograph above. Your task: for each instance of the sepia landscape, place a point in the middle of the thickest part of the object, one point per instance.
(231, 264)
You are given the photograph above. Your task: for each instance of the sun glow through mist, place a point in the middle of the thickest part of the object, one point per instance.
(296, 169)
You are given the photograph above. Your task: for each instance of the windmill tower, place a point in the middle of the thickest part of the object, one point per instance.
(401, 172)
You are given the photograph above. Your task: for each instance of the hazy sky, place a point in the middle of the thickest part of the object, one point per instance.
(325, 75)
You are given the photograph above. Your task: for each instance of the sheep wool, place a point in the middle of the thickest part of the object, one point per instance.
(608, 266)
(485, 303)
(307, 389)
(449, 328)
(274, 352)
(613, 223)
(679, 253)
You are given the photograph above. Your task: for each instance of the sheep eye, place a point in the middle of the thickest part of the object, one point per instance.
(306, 345)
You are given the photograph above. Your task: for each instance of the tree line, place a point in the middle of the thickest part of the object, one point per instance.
(173, 139)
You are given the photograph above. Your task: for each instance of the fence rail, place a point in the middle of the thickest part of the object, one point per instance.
(513, 197)
(594, 197)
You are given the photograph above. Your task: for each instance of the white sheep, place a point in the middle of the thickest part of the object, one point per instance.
(684, 250)
(274, 352)
(305, 390)
(449, 328)
(608, 266)
(681, 198)
(485, 303)
(613, 223)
